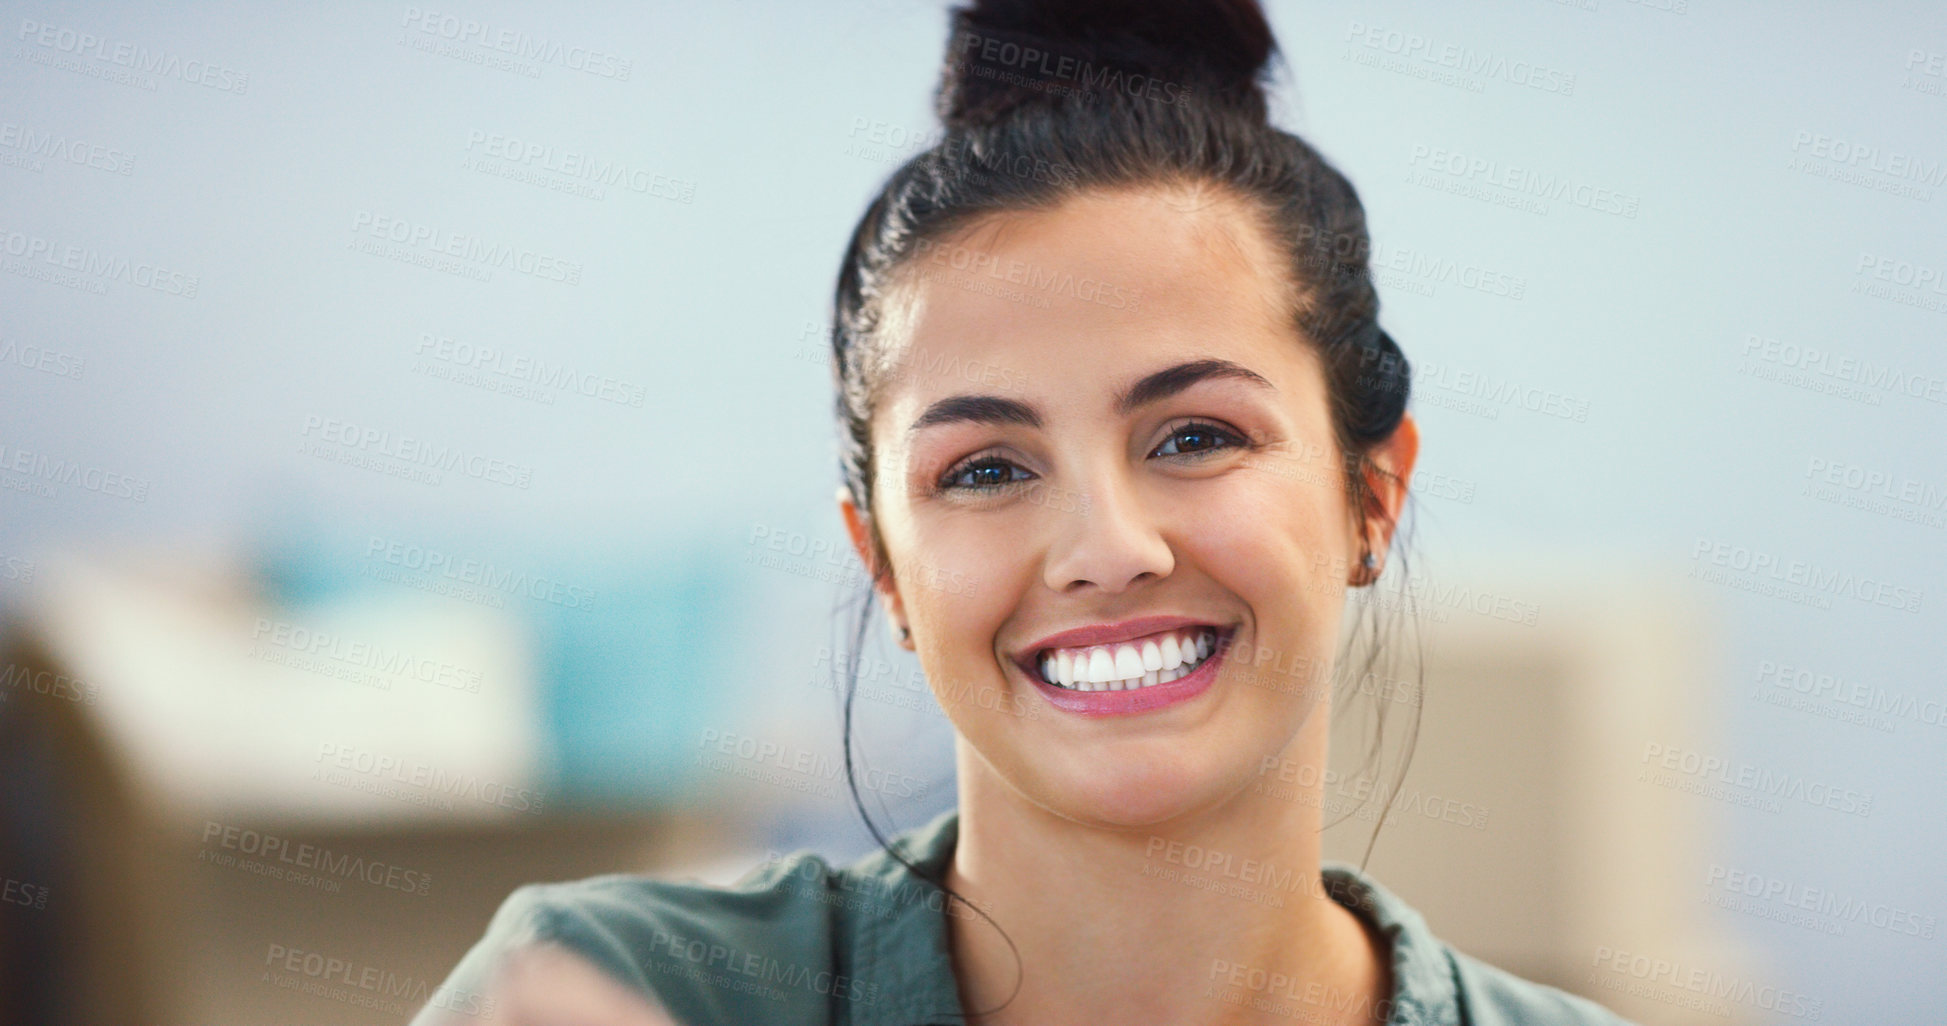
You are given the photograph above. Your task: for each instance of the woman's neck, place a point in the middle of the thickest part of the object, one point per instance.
(1217, 920)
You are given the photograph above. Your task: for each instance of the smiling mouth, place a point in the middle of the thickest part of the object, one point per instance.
(1128, 665)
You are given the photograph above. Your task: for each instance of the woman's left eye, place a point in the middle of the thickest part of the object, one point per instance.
(1197, 438)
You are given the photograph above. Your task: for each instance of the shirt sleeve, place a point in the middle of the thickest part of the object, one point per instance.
(537, 963)
(632, 951)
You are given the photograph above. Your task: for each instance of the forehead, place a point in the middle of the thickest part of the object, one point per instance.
(1106, 283)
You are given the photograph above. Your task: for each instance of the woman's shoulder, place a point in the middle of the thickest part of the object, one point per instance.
(679, 951)
(797, 896)
(775, 903)
(794, 940)
(1436, 983)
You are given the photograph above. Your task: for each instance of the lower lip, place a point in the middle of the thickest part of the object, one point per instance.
(1122, 703)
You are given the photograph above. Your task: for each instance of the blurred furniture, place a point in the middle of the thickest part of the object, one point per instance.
(211, 796)
(1521, 830)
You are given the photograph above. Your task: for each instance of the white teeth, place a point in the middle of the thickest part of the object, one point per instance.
(1172, 652)
(1128, 666)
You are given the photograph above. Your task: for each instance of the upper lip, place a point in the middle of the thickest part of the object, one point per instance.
(1109, 633)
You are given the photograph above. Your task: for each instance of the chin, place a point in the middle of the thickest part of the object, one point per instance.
(1133, 790)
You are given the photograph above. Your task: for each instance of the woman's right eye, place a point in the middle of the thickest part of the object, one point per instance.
(983, 475)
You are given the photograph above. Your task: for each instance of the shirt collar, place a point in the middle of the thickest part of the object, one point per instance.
(907, 948)
(910, 953)
(1423, 981)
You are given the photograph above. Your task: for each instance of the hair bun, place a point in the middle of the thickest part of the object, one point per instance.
(1002, 54)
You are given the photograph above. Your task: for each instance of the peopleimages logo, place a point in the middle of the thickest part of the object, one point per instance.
(134, 57)
(1832, 371)
(503, 370)
(1901, 281)
(1812, 685)
(1435, 269)
(1873, 490)
(296, 858)
(17, 892)
(1052, 281)
(517, 43)
(418, 452)
(1473, 168)
(581, 167)
(42, 359)
(278, 637)
(30, 143)
(25, 679)
(1713, 558)
(40, 469)
(797, 768)
(1754, 778)
(1900, 173)
(365, 985)
(81, 267)
(484, 577)
(1707, 983)
(453, 252)
(1821, 901)
(1022, 59)
(1412, 46)
(753, 972)
(441, 782)
(1902, 272)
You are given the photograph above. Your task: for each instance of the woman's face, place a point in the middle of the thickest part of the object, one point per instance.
(1093, 414)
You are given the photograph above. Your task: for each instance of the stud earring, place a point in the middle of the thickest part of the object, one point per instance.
(905, 633)
(1368, 569)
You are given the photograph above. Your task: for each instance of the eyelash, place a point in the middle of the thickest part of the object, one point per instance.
(946, 483)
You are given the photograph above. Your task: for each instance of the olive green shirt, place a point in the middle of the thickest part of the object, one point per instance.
(800, 942)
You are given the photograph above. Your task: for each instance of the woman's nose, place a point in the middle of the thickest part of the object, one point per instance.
(1111, 541)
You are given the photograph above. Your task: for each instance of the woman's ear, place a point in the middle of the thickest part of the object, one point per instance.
(1394, 459)
(858, 526)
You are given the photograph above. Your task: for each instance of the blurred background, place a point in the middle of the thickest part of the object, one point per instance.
(416, 479)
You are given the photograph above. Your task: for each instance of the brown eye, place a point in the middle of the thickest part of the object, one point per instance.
(983, 475)
(1197, 438)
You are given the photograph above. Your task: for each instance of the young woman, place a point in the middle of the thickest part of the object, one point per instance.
(1185, 441)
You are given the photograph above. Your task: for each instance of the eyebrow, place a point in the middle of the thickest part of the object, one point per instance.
(994, 409)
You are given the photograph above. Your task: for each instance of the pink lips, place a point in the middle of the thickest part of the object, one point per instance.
(1120, 703)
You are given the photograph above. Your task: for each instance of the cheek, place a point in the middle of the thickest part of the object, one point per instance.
(1274, 544)
(960, 583)
(1278, 547)
(961, 578)
(973, 691)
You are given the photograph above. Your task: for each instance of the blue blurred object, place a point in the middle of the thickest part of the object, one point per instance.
(630, 681)
(631, 656)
